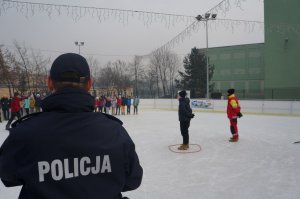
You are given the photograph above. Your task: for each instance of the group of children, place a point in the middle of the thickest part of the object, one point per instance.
(116, 105)
(18, 106)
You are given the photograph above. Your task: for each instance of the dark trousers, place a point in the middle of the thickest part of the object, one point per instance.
(5, 113)
(21, 112)
(184, 129)
(118, 110)
(12, 117)
(128, 109)
(135, 109)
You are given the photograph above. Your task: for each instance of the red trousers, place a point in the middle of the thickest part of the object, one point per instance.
(233, 126)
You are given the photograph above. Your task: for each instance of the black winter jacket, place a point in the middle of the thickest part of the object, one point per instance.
(184, 110)
(5, 103)
(70, 152)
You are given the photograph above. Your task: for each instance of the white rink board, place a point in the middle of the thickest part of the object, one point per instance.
(251, 106)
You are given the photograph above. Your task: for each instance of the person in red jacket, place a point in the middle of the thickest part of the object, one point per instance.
(96, 104)
(119, 104)
(233, 112)
(15, 109)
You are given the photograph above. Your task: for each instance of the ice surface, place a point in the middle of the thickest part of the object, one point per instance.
(264, 164)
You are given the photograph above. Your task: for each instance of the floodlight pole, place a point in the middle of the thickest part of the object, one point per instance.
(207, 65)
(206, 18)
(79, 44)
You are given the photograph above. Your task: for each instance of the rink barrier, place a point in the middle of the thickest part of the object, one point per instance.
(224, 112)
(255, 107)
(184, 151)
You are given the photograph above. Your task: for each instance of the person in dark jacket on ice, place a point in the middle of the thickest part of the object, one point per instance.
(185, 116)
(68, 150)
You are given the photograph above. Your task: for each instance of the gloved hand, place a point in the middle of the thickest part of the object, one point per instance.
(240, 115)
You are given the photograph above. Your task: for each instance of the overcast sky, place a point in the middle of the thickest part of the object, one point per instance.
(119, 35)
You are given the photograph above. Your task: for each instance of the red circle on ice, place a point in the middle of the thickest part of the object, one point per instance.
(193, 148)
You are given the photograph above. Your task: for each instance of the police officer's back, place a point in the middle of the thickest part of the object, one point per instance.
(69, 151)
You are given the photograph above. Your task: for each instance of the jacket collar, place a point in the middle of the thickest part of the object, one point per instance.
(231, 96)
(69, 100)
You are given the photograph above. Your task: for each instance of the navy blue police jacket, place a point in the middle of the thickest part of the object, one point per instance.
(69, 151)
(184, 109)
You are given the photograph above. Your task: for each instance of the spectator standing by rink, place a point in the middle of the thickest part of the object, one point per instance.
(26, 105)
(113, 105)
(96, 104)
(107, 105)
(31, 104)
(136, 102)
(21, 107)
(15, 109)
(38, 102)
(124, 101)
(128, 105)
(101, 103)
(233, 112)
(68, 151)
(119, 104)
(185, 116)
(5, 107)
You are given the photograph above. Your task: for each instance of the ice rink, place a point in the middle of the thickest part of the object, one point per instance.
(264, 164)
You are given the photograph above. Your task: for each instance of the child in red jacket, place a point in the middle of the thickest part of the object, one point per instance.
(233, 112)
(15, 108)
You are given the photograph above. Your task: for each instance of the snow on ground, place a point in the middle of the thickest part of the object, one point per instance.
(264, 164)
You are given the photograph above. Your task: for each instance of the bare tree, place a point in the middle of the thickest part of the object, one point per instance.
(165, 64)
(151, 78)
(173, 66)
(24, 61)
(155, 62)
(136, 67)
(6, 78)
(11, 71)
(38, 71)
(115, 74)
(95, 72)
(33, 67)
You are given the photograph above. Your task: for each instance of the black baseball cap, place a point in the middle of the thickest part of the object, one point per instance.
(70, 67)
(182, 93)
(230, 91)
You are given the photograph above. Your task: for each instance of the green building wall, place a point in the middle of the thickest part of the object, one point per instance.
(269, 70)
(240, 67)
(282, 49)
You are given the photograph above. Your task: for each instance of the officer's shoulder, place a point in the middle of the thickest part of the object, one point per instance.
(25, 118)
(110, 117)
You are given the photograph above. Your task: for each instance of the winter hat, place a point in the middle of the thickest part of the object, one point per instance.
(70, 67)
(230, 91)
(182, 93)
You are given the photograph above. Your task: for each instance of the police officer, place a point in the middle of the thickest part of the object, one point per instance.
(185, 115)
(69, 151)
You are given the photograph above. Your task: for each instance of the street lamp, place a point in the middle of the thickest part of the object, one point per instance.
(79, 44)
(206, 18)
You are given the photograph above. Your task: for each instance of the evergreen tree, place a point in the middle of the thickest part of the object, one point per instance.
(194, 76)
